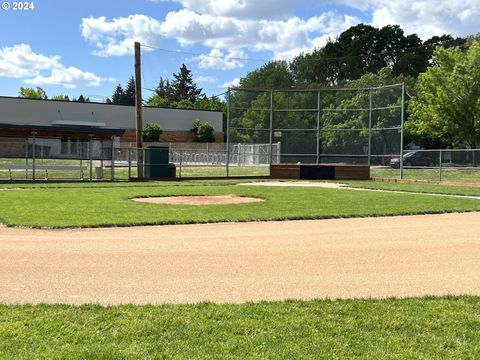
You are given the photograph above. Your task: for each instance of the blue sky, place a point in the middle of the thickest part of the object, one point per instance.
(73, 48)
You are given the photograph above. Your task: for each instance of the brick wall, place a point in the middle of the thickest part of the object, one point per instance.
(12, 147)
(169, 136)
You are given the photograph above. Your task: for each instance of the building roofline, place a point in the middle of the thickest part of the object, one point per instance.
(57, 127)
(105, 104)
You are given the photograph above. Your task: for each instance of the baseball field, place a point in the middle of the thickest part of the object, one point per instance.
(305, 270)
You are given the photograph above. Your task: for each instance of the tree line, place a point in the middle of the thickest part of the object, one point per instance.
(442, 76)
(39, 93)
(180, 92)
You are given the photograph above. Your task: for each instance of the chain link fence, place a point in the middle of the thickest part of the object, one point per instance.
(449, 165)
(264, 127)
(350, 125)
(203, 159)
(55, 159)
(98, 159)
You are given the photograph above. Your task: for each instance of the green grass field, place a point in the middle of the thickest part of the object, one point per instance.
(424, 328)
(109, 204)
(454, 175)
(52, 174)
(121, 173)
(417, 187)
(421, 328)
(190, 171)
(185, 171)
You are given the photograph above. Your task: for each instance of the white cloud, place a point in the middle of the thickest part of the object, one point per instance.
(205, 79)
(241, 9)
(228, 27)
(429, 17)
(116, 37)
(20, 61)
(216, 59)
(260, 10)
(70, 77)
(234, 83)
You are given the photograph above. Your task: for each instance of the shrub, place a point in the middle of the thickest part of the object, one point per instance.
(151, 133)
(203, 132)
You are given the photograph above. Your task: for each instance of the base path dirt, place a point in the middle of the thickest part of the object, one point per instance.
(238, 262)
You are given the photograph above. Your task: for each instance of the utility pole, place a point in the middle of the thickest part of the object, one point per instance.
(138, 110)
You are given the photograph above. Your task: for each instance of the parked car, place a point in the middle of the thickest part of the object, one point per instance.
(416, 158)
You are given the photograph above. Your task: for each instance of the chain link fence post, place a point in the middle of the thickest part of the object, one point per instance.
(318, 125)
(90, 155)
(113, 160)
(402, 119)
(440, 166)
(129, 161)
(270, 138)
(370, 105)
(26, 161)
(33, 154)
(227, 162)
(180, 163)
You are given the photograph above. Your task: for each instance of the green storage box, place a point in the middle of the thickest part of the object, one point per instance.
(156, 162)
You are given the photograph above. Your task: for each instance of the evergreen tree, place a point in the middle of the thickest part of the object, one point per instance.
(118, 96)
(164, 89)
(81, 99)
(183, 87)
(129, 98)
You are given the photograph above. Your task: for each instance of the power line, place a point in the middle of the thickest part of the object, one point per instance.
(426, 46)
(199, 54)
(208, 97)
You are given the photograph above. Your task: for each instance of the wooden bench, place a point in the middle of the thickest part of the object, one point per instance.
(46, 168)
(320, 171)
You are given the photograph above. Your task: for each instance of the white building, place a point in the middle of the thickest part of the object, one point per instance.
(21, 118)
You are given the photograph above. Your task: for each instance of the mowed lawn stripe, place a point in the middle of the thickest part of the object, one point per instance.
(93, 207)
(433, 328)
(416, 187)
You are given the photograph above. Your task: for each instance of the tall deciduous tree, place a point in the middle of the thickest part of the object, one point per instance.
(364, 49)
(447, 105)
(31, 93)
(272, 75)
(61, 97)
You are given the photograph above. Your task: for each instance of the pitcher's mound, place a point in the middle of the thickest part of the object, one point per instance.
(199, 200)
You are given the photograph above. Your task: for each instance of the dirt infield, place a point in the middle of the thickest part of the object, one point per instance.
(238, 262)
(199, 200)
